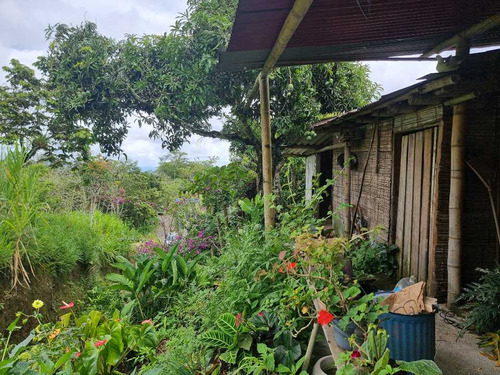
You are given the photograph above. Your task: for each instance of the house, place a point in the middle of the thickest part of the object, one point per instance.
(269, 34)
(400, 174)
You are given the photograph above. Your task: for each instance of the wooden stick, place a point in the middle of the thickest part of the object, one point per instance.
(347, 188)
(310, 347)
(362, 181)
(492, 200)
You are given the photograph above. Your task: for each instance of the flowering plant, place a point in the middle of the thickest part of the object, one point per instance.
(373, 357)
(316, 270)
(88, 344)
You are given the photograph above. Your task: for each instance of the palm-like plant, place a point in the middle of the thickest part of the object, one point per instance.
(20, 208)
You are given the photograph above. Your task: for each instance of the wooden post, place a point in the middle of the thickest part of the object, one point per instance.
(457, 185)
(457, 189)
(347, 188)
(267, 160)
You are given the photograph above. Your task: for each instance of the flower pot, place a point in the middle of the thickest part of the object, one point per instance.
(321, 367)
(341, 336)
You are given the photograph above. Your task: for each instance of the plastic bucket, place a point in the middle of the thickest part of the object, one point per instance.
(411, 337)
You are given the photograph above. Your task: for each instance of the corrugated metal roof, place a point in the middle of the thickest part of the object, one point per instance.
(338, 29)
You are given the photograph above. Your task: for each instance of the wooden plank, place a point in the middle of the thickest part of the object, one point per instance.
(417, 200)
(426, 196)
(400, 216)
(407, 245)
(328, 332)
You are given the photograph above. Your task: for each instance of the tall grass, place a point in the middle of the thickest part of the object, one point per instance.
(19, 209)
(66, 240)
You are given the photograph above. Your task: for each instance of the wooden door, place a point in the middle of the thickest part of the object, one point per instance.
(414, 207)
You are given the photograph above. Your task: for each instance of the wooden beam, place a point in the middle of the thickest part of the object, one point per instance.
(267, 160)
(293, 20)
(479, 28)
(418, 99)
(461, 99)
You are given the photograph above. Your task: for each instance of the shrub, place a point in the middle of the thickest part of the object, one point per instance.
(483, 298)
(67, 239)
(374, 258)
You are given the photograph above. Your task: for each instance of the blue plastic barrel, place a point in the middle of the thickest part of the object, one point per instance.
(411, 337)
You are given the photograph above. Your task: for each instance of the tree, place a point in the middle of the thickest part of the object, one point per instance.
(26, 115)
(177, 165)
(171, 83)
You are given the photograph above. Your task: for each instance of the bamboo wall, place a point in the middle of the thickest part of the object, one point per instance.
(380, 192)
(482, 144)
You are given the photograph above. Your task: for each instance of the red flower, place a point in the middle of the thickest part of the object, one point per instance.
(100, 343)
(280, 270)
(238, 319)
(78, 354)
(292, 265)
(324, 317)
(355, 354)
(147, 321)
(66, 305)
(261, 313)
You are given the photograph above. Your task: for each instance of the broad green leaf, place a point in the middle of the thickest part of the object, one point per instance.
(245, 341)
(421, 367)
(227, 324)
(21, 345)
(381, 363)
(217, 339)
(229, 356)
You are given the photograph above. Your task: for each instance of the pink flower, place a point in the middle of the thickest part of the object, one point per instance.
(66, 305)
(261, 313)
(238, 319)
(100, 343)
(324, 317)
(78, 354)
(147, 321)
(355, 354)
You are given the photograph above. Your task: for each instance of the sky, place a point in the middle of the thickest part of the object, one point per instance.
(22, 36)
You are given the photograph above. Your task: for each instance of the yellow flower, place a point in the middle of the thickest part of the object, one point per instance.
(53, 335)
(305, 310)
(288, 324)
(37, 304)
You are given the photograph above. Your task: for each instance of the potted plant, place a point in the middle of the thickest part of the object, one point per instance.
(322, 262)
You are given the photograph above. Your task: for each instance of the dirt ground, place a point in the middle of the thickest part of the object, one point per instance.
(460, 357)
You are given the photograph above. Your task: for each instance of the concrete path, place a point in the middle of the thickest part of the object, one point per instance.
(460, 357)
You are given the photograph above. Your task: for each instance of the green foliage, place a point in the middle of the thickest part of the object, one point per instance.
(177, 165)
(483, 299)
(19, 209)
(27, 114)
(491, 340)
(373, 258)
(89, 344)
(372, 357)
(222, 186)
(65, 240)
(148, 285)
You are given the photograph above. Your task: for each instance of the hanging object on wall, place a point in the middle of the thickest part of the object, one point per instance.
(341, 160)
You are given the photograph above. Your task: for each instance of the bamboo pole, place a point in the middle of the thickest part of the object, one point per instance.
(457, 187)
(347, 188)
(293, 20)
(267, 160)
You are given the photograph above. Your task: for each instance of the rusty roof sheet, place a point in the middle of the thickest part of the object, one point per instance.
(341, 30)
